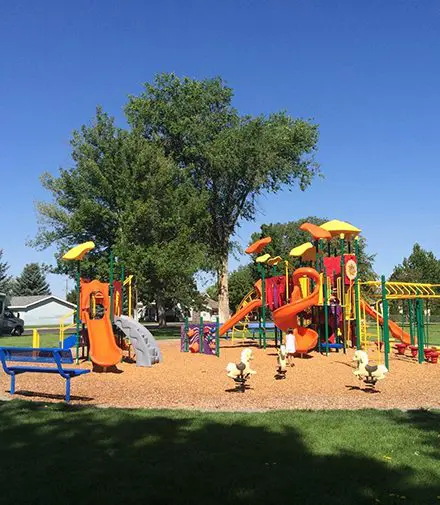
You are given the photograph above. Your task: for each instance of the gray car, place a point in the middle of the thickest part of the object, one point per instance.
(10, 324)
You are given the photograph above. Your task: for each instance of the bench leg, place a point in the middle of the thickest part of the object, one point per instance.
(12, 388)
(68, 390)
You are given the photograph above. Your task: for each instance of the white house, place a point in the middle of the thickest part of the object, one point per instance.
(209, 311)
(41, 310)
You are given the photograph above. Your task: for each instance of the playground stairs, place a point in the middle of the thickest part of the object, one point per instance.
(147, 350)
(240, 332)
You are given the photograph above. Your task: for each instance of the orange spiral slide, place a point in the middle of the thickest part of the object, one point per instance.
(286, 316)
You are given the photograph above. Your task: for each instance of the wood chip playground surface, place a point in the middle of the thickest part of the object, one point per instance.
(194, 381)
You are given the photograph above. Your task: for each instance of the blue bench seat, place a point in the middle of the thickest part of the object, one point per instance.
(41, 355)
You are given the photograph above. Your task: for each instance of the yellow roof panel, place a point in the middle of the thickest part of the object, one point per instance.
(275, 260)
(263, 259)
(336, 227)
(301, 249)
(78, 252)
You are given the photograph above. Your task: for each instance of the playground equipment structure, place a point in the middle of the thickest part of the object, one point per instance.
(203, 338)
(326, 303)
(99, 311)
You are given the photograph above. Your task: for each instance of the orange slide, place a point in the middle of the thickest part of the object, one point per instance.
(286, 316)
(395, 330)
(103, 348)
(240, 315)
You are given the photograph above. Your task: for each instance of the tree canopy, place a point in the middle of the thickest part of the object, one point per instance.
(420, 266)
(231, 159)
(5, 278)
(128, 197)
(167, 194)
(32, 281)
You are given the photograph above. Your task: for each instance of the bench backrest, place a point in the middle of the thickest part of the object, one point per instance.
(32, 355)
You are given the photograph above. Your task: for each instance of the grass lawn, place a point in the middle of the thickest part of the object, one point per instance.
(50, 338)
(56, 454)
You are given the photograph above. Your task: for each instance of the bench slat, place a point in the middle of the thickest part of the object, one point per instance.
(70, 371)
(31, 355)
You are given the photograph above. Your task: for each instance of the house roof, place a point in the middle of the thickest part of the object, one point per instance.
(26, 302)
(210, 303)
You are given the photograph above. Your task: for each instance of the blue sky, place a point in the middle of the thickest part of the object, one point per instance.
(367, 72)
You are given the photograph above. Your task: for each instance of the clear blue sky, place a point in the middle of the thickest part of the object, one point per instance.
(367, 71)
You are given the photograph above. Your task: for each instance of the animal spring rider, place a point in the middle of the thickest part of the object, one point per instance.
(370, 374)
(240, 372)
(282, 362)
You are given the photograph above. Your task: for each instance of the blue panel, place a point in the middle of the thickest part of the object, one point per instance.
(31, 355)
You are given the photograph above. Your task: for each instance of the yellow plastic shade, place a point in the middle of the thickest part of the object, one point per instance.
(263, 259)
(78, 252)
(275, 260)
(301, 249)
(336, 227)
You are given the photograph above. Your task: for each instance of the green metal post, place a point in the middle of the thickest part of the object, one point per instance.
(274, 273)
(344, 321)
(420, 332)
(112, 266)
(260, 329)
(201, 336)
(357, 300)
(263, 304)
(426, 322)
(217, 337)
(386, 331)
(186, 338)
(122, 287)
(78, 308)
(411, 320)
(325, 312)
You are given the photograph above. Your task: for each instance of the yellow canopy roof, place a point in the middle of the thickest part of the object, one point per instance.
(78, 252)
(275, 260)
(263, 259)
(306, 252)
(301, 249)
(336, 227)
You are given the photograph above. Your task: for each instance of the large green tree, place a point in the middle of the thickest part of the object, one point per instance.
(420, 266)
(32, 281)
(232, 159)
(123, 193)
(5, 278)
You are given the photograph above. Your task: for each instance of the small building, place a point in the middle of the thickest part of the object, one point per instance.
(41, 310)
(209, 311)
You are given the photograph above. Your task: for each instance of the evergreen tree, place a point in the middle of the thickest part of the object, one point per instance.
(5, 279)
(32, 281)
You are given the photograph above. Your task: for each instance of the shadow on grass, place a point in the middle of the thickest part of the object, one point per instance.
(64, 454)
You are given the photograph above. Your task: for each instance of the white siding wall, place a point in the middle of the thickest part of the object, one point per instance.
(48, 314)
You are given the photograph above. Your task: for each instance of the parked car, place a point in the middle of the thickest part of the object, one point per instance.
(10, 323)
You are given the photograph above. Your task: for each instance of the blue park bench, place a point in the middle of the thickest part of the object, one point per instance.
(41, 355)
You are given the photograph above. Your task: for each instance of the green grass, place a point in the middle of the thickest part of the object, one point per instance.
(46, 340)
(432, 331)
(56, 454)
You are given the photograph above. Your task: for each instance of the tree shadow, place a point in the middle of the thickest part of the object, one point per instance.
(67, 454)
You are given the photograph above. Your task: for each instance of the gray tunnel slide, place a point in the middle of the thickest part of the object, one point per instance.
(147, 350)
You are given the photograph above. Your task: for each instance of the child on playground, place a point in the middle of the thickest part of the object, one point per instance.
(290, 346)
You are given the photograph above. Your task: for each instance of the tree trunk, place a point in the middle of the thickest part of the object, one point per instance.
(161, 312)
(223, 293)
